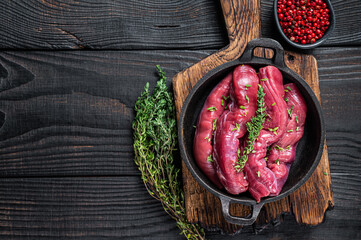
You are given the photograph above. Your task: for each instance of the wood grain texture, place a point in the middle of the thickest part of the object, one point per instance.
(310, 202)
(43, 161)
(81, 208)
(120, 208)
(109, 24)
(38, 152)
(66, 24)
(24, 146)
(70, 113)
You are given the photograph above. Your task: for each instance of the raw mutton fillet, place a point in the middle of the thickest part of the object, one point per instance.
(262, 181)
(231, 127)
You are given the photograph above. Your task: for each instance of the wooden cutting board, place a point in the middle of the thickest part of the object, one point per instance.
(309, 203)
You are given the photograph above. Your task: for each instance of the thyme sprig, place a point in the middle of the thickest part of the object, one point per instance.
(254, 128)
(155, 140)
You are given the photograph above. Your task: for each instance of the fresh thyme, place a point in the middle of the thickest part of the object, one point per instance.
(236, 128)
(274, 130)
(288, 89)
(211, 109)
(155, 140)
(289, 111)
(210, 159)
(225, 98)
(278, 148)
(254, 128)
(214, 124)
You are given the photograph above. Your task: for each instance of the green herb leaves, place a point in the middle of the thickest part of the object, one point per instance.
(274, 130)
(211, 109)
(290, 110)
(236, 128)
(155, 140)
(254, 128)
(288, 89)
(214, 124)
(278, 148)
(247, 98)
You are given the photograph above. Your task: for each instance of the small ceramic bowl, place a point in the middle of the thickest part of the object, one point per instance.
(310, 45)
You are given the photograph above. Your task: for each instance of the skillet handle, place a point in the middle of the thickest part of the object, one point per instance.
(278, 52)
(238, 220)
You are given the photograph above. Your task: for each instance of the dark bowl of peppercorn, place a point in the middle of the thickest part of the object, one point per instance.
(304, 24)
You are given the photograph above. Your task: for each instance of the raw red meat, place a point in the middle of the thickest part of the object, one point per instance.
(262, 181)
(283, 152)
(231, 126)
(212, 109)
(220, 134)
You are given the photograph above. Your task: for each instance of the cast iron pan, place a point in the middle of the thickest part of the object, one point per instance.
(309, 149)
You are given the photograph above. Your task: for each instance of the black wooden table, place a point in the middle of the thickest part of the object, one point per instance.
(70, 73)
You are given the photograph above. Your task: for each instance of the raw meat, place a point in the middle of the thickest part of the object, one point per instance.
(283, 152)
(262, 181)
(212, 109)
(231, 126)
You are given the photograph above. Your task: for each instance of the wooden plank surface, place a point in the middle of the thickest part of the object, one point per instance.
(139, 24)
(81, 208)
(340, 86)
(24, 149)
(120, 208)
(43, 167)
(109, 24)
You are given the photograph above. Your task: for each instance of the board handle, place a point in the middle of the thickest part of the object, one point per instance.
(278, 52)
(239, 220)
(235, 13)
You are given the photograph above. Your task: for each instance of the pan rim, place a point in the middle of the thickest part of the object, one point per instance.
(234, 198)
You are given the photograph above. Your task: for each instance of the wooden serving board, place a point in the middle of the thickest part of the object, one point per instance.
(309, 203)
